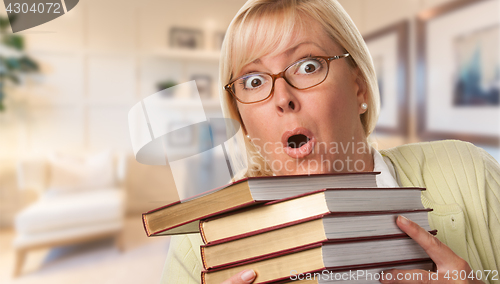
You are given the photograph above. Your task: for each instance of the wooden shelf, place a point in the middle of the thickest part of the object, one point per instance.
(188, 103)
(183, 54)
(178, 54)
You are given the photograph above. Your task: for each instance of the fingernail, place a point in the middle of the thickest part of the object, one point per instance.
(248, 275)
(404, 220)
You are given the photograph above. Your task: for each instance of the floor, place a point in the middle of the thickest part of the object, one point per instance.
(95, 262)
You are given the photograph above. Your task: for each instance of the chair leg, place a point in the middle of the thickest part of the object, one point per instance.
(18, 266)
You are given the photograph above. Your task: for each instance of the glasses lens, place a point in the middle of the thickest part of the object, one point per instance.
(253, 87)
(307, 73)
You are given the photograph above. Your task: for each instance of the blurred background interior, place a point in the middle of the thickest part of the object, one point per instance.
(71, 191)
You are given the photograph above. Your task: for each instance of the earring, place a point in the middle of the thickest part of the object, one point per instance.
(364, 106)
(248, 136)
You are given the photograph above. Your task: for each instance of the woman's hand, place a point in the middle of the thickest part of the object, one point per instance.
(244, 277)
(445, 259)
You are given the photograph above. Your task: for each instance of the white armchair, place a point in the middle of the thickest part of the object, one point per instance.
(80, 199)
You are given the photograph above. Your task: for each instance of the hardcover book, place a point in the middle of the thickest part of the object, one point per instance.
(183, 217)
(324, 255)
(362, 275)
(309, 205)
(327, 228)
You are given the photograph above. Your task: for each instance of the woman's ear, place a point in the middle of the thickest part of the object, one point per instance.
(361, 90)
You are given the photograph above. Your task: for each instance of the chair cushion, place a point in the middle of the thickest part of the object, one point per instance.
(72, 233)
(69, 173)
(71, 210)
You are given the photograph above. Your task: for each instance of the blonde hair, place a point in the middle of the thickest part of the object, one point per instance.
(266, 27)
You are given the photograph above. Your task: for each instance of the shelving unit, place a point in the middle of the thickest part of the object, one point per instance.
(184, 54)
(96, 64)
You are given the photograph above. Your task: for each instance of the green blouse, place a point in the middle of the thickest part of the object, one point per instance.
(463, 189)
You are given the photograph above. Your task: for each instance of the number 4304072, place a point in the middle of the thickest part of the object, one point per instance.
(24, 8)
(479, 275)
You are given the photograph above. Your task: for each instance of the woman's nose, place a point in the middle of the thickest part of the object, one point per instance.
(284, 97)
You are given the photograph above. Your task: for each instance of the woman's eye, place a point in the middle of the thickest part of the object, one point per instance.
(308, 66)
(253, 81)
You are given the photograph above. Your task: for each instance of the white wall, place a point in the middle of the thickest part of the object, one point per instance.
(96, 62)
(99, 60)
(371, 16)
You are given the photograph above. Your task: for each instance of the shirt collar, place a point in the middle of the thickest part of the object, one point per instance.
(387, 176)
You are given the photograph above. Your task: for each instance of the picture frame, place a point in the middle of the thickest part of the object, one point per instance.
(389, 50)
(449, 103)
(186, 38)
(204, 85)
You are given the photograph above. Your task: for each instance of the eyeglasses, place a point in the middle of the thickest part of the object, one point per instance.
(303, 74)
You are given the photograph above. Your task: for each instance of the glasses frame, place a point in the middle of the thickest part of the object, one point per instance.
(328, 59)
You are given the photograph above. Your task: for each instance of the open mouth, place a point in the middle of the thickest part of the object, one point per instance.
(298, 143)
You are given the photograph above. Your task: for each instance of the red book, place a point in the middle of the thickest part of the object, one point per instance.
(276, 214)
(183, 217)
(332, 227)
(333, 256)
(362, 275)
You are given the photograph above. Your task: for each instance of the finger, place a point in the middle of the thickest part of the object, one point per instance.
(439, 252)
(243, 277)
(397, 276)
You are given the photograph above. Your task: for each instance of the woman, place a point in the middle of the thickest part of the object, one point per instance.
(298, 77)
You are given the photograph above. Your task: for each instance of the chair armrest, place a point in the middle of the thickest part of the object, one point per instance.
(32, 174)
(120, 164)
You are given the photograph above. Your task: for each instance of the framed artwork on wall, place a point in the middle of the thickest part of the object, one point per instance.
(204, 84)
(185, 38)
(458, 72)
(389, 50)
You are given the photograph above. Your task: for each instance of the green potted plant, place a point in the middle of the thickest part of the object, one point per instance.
(13, 61)
(165, 85)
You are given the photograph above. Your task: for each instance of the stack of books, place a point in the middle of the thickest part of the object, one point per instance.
(296, 227)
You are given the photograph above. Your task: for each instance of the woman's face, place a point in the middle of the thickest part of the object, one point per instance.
(323, 120)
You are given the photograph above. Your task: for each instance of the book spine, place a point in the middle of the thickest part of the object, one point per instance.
(203, 280)
(145, 225)
(202, 232)
(203, 257)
